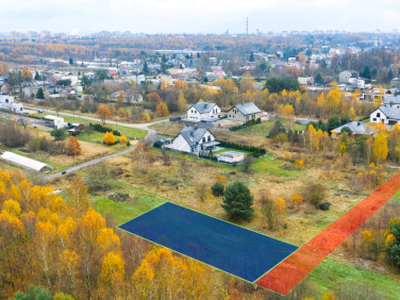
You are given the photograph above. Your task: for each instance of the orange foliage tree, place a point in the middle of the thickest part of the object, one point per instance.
(162, 109)
(73, 147)
(103, 112)
(109, 138)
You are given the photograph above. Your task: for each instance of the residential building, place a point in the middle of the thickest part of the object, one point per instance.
(306, 80)
(203, 111)
(193, 140)
(386, 115)
(356, 127)
(53, 121)
(392, 101)
(7, 102)
(244, 112)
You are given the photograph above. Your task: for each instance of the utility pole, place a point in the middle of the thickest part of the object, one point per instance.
(247, 26)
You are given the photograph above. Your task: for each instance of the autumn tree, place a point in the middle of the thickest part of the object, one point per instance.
(77, 194)
(26, 74)
(162, 109)
(238, 202)
(103, 112)
(120, 98)
(72, 146)
(109, 138)
(182, 101)
(380, 150)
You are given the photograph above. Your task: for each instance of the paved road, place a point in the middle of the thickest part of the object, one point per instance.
(151, 133)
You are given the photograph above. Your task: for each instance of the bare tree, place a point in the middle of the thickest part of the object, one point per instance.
(202, 190)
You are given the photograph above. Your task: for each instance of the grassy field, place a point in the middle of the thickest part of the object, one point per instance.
(330, 272)
(267, 164)
(139, 202)
(264, 127)
(129, 132)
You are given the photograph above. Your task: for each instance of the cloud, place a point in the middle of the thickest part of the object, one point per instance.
(195, 16)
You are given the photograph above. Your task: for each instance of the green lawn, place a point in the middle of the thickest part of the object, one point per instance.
(140, 202)
(330, 272)
(127, 131)
(264, 127)
(395, 199)
(267, 164)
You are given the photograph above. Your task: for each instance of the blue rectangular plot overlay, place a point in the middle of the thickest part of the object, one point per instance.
(235, 250)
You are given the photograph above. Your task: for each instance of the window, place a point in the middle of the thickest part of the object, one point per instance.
(209, 138)
(378, 115)
(204, 139)
(374, 119)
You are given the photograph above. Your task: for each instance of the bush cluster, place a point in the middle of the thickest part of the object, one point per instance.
(103, 129)
(245, 125)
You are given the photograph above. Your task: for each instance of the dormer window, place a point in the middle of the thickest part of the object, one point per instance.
(378, 115)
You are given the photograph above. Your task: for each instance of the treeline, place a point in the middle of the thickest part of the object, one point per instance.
(65, 246)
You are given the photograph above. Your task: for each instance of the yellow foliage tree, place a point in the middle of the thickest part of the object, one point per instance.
(182, 101)
(162, 109)
(112, 274)
(123, 140)
(297, 200)
(380, 150)
(281, 205)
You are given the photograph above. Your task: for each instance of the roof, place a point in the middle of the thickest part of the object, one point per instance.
(391, 112)
(193, 135)
(53, 118)
(204, 107)
(392, 99)
(356, 127)
(24, 161)
(248, 108)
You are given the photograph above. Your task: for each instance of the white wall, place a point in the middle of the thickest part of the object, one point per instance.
(179, 143)
(378, 117)
(194, 115)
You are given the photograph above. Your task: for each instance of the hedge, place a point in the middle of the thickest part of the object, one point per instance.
(247, 124)
(102, 129)
(254, 151)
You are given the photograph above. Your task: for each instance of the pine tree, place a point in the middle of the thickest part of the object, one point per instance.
(40, 94)
(238, 202)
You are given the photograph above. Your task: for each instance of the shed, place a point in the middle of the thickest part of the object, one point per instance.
(231, 157)
(25, 162)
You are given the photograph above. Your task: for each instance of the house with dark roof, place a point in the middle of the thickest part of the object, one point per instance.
(204, 111)
(244, 112)
(386, 115)
(193, 140)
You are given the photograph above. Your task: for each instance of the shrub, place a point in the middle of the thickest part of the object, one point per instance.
(73, 147)
(218, 189)
(12, 135)
(58, 134)
(315, 193)
(109, 138)
(123, 140)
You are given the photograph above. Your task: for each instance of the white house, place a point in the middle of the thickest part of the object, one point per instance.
(8, 102)
(244, 112)
(203, 111)
(386, 115)
(306, 80)
(193, 140)
(53, 121)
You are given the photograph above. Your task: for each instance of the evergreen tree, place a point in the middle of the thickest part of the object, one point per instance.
(366, 73)
(37, 76)
(217, 189)
(333, 122)
(238, 202)
(40, 94)
(251, 56)
(318, 79)
(146, 68)
(71, 61)
(34, 293)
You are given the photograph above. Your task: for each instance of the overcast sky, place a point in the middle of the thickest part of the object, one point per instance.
(195, 16)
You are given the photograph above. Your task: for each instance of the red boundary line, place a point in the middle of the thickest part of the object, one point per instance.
(284, 277)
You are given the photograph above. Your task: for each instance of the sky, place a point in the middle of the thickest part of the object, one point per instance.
(198, 16)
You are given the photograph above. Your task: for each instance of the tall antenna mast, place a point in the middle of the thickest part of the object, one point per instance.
(247, 26)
